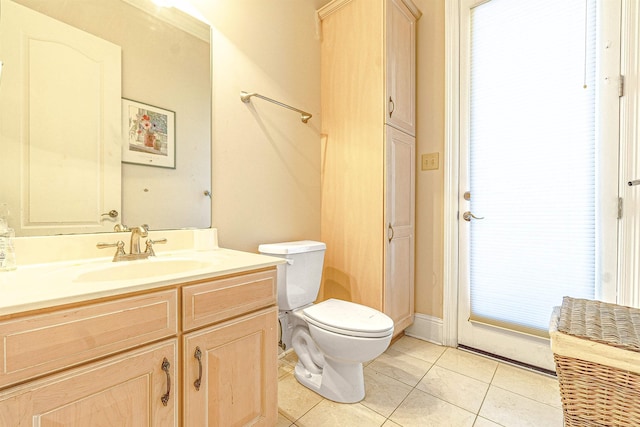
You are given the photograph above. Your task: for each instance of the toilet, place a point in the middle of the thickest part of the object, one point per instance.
(332, 338)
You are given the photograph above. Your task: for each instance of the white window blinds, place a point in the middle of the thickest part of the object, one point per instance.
(532, 159)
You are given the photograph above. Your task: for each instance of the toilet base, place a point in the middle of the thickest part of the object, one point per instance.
(340, 382)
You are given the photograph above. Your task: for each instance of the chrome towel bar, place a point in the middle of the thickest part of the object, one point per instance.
(246, 97)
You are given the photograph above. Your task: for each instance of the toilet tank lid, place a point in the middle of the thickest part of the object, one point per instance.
(285, 248)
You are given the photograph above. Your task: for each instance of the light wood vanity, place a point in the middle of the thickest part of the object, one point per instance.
(133, 359)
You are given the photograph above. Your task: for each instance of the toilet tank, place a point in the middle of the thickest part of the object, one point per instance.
(300, 283)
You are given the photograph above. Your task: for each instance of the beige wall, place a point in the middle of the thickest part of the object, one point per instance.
(266, 162)
(266, 167)
(430, 139)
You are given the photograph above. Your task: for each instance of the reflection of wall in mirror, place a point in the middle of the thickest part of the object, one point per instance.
(165, 67)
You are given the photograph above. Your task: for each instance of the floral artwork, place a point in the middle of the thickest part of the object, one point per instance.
(149, 135)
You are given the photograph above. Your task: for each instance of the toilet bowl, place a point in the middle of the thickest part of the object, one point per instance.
(332, 338)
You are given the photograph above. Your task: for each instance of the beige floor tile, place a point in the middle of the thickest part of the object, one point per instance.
(332, 414)
(471, 365)
(530, 384)
(510, 409)
(283, 421)
(461, 390)
(390, 423)
(483, 422)
(401, 367)
(284, 368)
(420, 409)
(419, 349)
(291, 357)
(294, 399)
(383, 394)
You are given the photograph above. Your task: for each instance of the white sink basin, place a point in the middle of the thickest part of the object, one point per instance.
(140, 269)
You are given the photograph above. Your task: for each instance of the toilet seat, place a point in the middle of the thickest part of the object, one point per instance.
(348, 318)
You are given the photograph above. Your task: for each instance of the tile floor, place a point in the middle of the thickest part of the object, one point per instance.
(416, 383)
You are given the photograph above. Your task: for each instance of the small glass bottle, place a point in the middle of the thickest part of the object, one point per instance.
(7, 251)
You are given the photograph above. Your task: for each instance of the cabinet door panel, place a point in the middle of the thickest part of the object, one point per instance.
(400, 214)
(239, 373)
(125, 390)
(400, 71)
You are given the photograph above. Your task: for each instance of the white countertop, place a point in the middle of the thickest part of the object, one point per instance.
(38, 286)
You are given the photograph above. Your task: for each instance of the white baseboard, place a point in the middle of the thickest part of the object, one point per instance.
(426, 328)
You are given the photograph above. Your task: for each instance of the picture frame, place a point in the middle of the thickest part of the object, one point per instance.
(149, 135)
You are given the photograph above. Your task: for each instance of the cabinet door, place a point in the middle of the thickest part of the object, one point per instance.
(235, 364)
(125, 390)
(400, 214)
(400, 67)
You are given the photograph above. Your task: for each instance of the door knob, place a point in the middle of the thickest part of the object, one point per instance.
(468, 215)
(112, 213)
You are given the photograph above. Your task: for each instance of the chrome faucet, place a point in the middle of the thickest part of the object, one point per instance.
(134, 245)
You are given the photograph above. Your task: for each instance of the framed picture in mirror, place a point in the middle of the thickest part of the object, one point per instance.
(149, 136)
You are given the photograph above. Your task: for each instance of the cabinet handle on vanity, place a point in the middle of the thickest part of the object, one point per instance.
(165, 368)
(198, 355)
(390, 233)
(392, 107)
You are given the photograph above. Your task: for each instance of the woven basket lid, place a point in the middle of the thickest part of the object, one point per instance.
(611, 324)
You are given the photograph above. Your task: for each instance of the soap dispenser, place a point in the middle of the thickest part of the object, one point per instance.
(7, 251)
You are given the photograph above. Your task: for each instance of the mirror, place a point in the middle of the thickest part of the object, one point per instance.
(165, 66)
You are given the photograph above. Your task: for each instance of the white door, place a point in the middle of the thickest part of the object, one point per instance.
(59, 125)
(538, 167)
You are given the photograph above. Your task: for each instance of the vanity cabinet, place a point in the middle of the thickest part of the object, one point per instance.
(129, 360)
(368, 164)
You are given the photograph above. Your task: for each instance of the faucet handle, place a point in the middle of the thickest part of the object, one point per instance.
(119, 244)
(150, 243)
(120, 227)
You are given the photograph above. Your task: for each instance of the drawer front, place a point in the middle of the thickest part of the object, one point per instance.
(39, 344)
(216, 300)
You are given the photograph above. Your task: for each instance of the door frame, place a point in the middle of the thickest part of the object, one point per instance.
(626, 292)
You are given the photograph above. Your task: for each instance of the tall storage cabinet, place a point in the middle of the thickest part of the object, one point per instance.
(368, 170)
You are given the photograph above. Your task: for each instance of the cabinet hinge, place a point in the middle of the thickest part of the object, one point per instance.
(621, 86)
(619, 207)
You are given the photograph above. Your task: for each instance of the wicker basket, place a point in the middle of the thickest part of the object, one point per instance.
(597, 353)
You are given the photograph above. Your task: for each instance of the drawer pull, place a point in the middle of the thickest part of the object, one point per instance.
(198, 355)
(165, 368)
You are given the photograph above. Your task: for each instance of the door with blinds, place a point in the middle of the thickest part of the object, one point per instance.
(538, 167)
